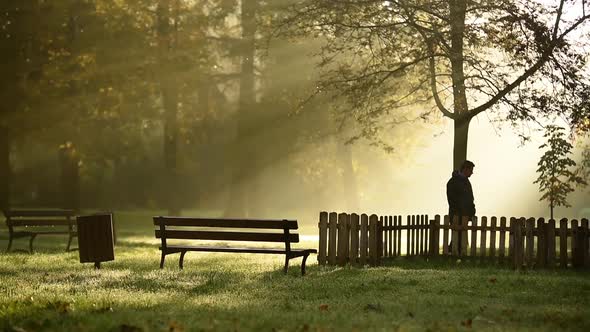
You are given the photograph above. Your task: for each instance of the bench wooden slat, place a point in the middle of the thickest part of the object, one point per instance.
(41, 222)
(52, 233)
(237, 250)
(226, 236)
(226, 222)
(39, 213)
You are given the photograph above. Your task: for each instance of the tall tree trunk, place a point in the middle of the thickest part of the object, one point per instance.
(170, 104)
(240, 200)
(203, 107)
(69, 177)
(5, 174)
(460, 107)
(349, 183)
(460, 138)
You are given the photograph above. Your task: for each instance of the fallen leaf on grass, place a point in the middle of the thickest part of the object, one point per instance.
(101, 310)
(175, 327)
(59, 306)
(373, 307)
(324, 307)
(467, 323)
(508, 312)
(478, 320)
(130, 328)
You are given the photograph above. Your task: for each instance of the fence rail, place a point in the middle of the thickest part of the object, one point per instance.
(521, 242)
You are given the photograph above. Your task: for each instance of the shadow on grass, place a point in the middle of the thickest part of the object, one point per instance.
(194, 282)
(443, 263)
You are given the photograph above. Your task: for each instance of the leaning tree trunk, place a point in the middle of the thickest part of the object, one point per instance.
(5, 174)
(240, 201)
(170, 103)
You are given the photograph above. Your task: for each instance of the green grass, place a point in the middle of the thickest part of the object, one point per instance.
(51, 291)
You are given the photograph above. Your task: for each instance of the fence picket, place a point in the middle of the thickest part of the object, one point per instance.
(354, 239)
(399, 236)
(395, 233)
(541, 244)
(391, 236)
(473, 250)
(511, 244)
(530, 225)
(563, 243)
(502, 248)
(418, 233)
(464, 239)
(408, 233)
(364, 247)
(382, 220)
(455, 236)
(342, 248)
(446, 235)
(575, 244)
(585, 246)
(421, 235)
(379, 244)
(482, 245)
(413, 235)
(323, 238)
(434, 229)
(551, 243)
(373, 239)
(493, 228)
(518, 243)
(332, 227)
(426, 234)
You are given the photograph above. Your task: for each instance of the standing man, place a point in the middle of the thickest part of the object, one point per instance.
(460, 196)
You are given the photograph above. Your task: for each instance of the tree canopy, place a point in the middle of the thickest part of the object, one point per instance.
(518, 60)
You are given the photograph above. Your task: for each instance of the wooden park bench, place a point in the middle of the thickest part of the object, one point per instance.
(32, 222)
(184, 228)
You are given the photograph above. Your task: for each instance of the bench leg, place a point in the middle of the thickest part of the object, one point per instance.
(303, 264)
(286, 268)
(181, 260)
(33, 236)
(162, 260)
(9, 243)
(69, 242)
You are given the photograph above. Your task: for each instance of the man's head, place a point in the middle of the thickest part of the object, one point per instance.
(467, 168)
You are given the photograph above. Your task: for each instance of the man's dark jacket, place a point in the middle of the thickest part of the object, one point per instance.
(460, 196)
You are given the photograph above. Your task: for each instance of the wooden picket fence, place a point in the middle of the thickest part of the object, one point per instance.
(361, 239)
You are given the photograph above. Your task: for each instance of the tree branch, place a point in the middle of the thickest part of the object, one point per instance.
(529, 72)
(558, 19)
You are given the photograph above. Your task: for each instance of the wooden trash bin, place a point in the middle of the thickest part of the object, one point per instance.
(96, 238)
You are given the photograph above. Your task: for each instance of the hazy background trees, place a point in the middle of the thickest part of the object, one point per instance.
(198, 104)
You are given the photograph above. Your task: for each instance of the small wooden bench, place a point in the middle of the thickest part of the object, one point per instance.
(184, 228)
(32, 222)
